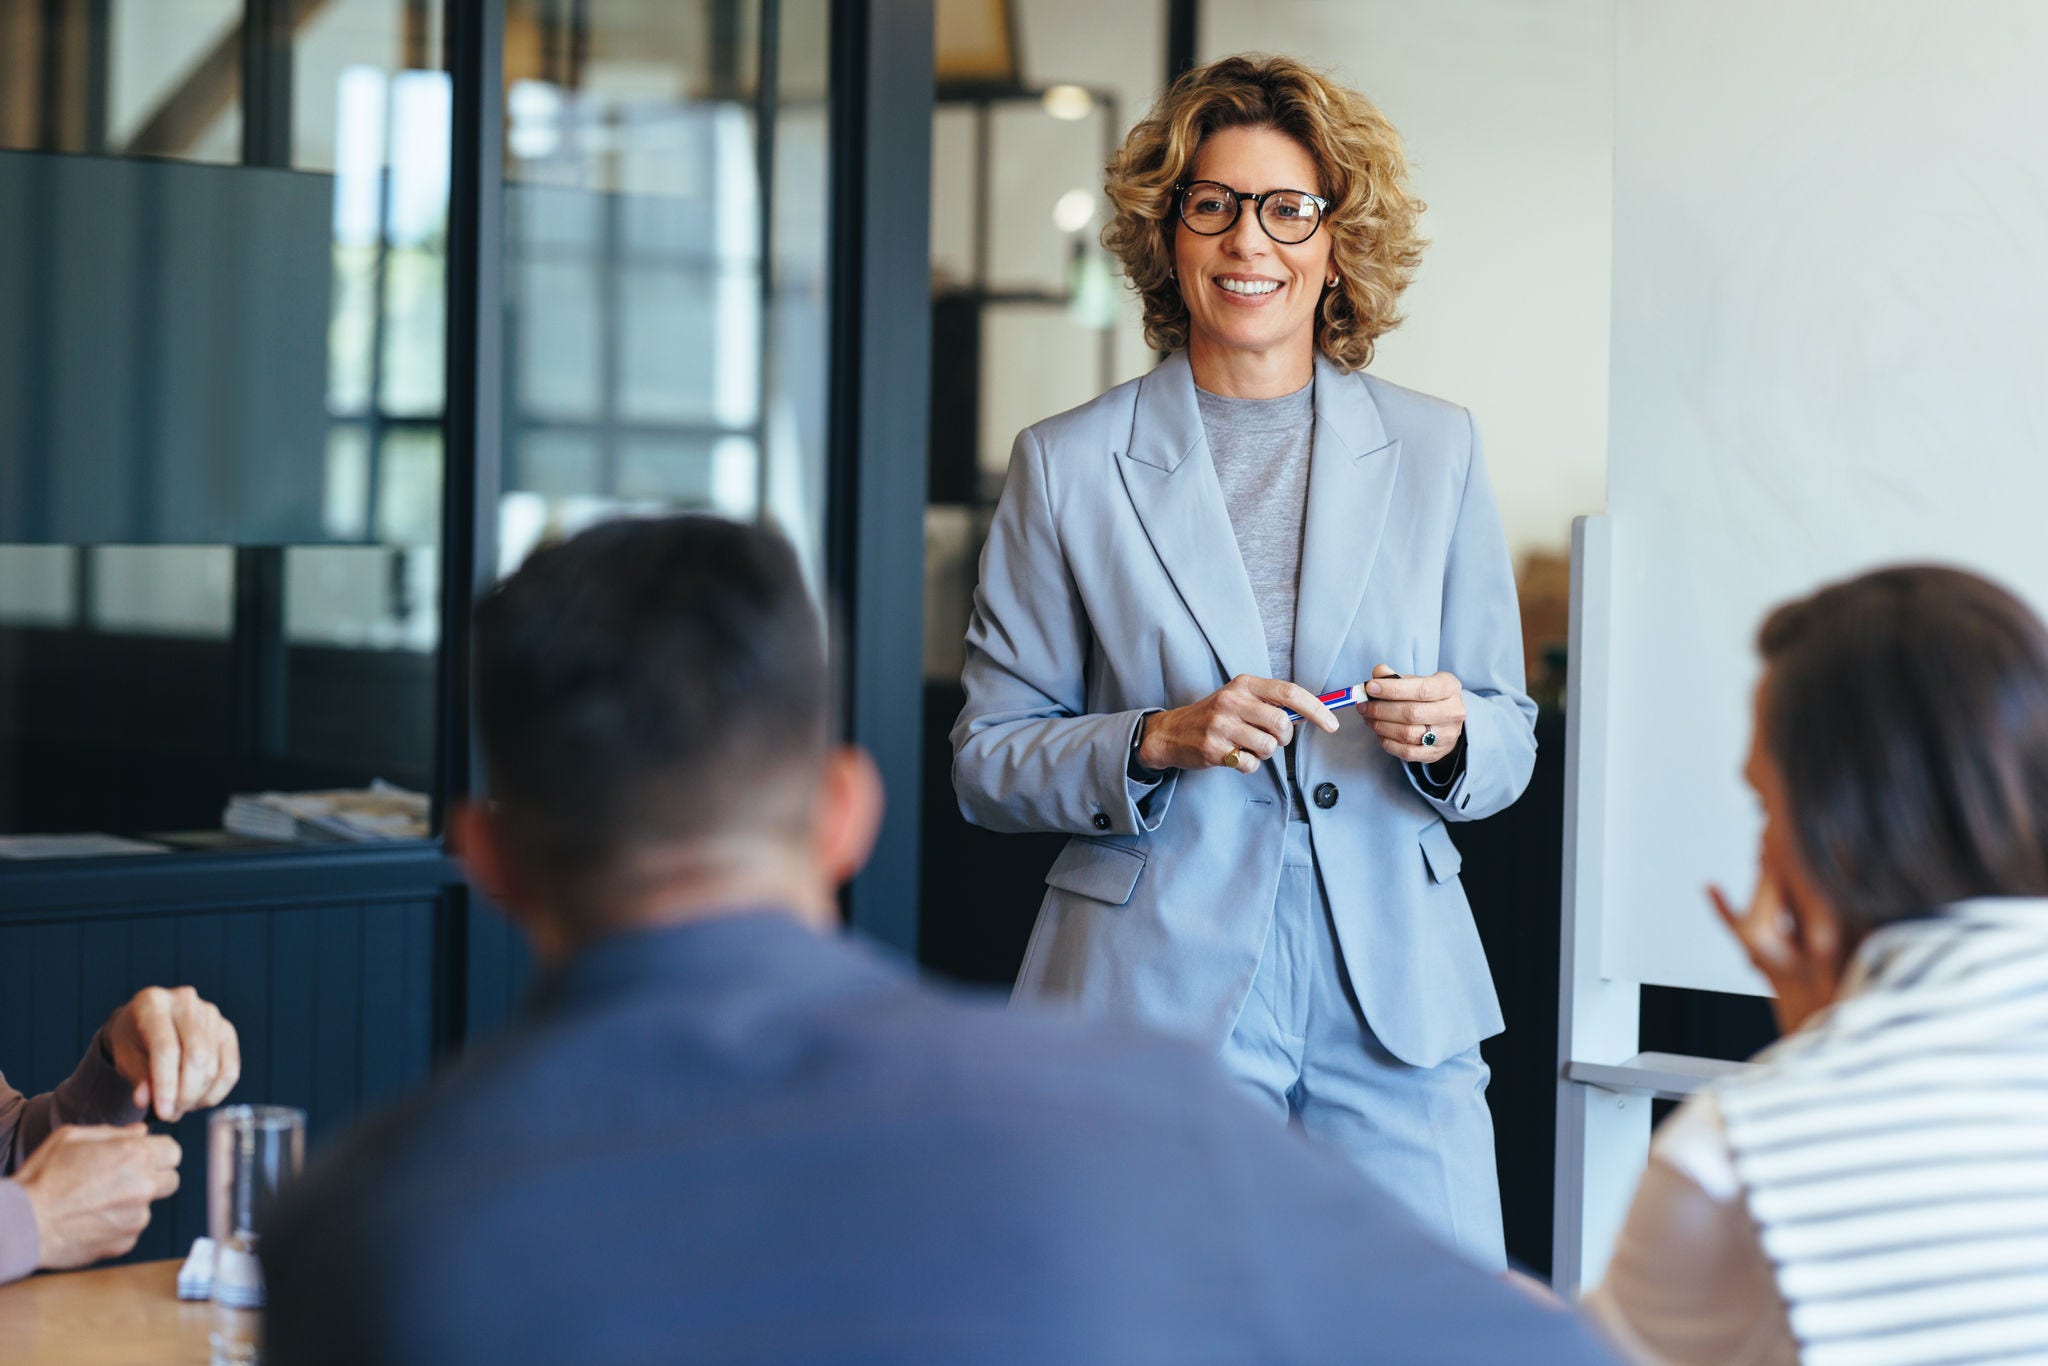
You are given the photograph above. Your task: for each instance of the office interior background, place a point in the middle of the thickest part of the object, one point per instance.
(317, 315)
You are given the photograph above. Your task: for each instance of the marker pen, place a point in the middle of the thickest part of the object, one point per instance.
(1336, 701)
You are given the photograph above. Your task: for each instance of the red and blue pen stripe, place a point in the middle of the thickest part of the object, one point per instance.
(1343, 697)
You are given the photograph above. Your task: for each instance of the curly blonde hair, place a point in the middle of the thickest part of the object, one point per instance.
(1372, 218)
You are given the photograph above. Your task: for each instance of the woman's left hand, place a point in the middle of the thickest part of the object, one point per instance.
(1403, 710)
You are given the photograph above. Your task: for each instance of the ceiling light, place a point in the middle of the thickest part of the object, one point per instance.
(1069, 102)
(1074, 209)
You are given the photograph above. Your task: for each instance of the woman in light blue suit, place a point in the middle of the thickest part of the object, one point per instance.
(1176, 564)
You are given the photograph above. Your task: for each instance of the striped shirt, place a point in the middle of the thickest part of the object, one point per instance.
(1894, 1152)
(1874, 1188)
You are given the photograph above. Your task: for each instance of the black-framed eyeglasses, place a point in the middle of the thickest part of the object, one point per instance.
(1288, 216)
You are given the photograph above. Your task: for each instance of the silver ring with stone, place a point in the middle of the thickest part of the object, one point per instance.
(1429, 739)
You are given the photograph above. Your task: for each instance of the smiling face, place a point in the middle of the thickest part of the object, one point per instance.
(1249, 298)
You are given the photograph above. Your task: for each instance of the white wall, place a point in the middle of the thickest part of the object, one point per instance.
(1507, 111)
(1830, 337)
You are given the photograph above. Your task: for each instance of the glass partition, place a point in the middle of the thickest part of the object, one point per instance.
(224, 369)
(223, 246)
(664, 249)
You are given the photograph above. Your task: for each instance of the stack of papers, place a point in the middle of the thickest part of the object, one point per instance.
(73, 846)
(377, 812)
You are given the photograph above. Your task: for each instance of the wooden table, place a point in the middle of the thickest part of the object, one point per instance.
(114, 1316)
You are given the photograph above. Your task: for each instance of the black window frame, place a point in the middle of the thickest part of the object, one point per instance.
(880, 109)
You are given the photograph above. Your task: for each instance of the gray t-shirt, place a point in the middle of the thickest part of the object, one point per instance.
(1260, 448)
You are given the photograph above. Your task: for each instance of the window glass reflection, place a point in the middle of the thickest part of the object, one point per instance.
(38, 585)
(172, 88)
(224, 374)
(797, 373)
(222, 394)
(409, 491)
(175, 590)
(338, 40)
(375, 597)
(642, 328)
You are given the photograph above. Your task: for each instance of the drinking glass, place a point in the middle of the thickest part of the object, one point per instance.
(252, 1153)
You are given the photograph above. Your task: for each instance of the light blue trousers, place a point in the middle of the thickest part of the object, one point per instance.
(1303, 1047)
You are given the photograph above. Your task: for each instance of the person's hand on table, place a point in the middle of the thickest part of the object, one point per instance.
(178, 1051)
(1240, 726)
(1403, 710)
(91, 1187)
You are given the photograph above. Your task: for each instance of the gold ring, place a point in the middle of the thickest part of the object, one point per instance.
(1230, 759)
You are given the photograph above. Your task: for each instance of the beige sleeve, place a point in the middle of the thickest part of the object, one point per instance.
(1688, 1281)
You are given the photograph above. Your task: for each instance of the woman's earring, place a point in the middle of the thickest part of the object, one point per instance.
(1330, 283)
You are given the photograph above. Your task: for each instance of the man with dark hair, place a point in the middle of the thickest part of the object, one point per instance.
(723, 1131)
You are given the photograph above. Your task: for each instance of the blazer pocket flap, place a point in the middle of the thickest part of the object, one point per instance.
(1102, 872)
(1442, 855)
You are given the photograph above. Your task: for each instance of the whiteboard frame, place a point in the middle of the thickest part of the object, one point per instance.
(1603, 1136)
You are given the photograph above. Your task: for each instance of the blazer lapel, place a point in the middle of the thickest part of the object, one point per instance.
(1352, 466)
(1172, 484)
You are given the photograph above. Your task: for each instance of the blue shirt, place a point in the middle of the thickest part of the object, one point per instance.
(739, 1140)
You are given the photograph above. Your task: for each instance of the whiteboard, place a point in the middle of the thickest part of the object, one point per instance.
(1829, 351)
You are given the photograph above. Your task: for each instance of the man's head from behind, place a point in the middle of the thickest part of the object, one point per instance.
(653, 707)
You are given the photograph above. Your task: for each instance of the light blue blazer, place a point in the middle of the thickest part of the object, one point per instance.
(1111, 584)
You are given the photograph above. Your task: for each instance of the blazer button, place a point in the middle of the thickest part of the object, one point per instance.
(1101, 821)
(1326, 795)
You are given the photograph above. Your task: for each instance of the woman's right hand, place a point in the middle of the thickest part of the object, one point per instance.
(1243, 720)
(1798, 950)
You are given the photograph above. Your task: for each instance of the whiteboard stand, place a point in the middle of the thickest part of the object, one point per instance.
(1603, 1136)
(1605, 1084)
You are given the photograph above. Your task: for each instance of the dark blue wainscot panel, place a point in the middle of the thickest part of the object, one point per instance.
(498, 970)
(335, 1004)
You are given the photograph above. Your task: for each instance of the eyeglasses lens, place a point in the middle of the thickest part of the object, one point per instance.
(1208, 209)
(1287, 215)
